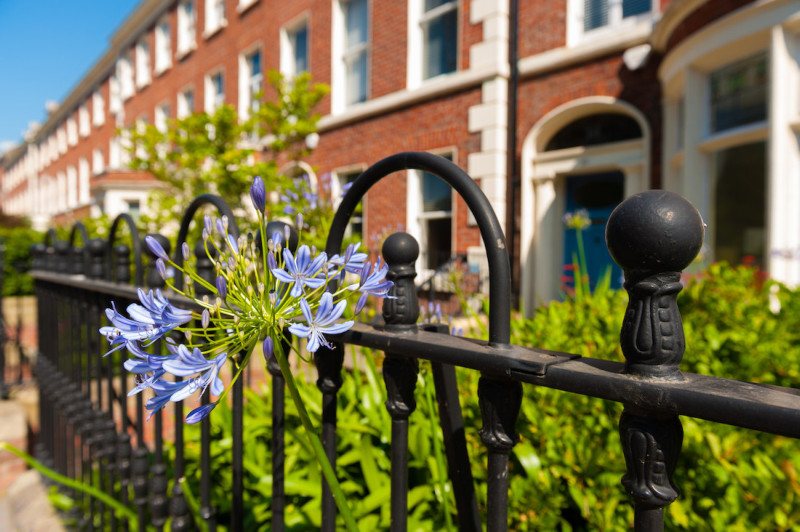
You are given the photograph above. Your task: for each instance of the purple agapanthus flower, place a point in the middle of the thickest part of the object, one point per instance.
(352, 260)
(373, 284)
(301, 271)
(148, 321)
(188, 363)
(323, 323)
(199, 413)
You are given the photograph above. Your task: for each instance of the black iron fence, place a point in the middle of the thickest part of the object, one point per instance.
(91, 430)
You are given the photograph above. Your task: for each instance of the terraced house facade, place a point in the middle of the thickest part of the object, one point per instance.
(552, 106)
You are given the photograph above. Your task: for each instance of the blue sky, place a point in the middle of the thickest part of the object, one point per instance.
(46, 47)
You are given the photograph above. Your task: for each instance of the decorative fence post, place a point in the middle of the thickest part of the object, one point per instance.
(400, 372)
(652, 236)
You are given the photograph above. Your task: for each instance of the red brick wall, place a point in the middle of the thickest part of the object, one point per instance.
(542, 26)
(432, 126)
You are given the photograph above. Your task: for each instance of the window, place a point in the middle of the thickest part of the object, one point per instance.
(294, 52)
(439, 25)
(740, 204)
(114, 155)
(72, 131)
(84, 128)
(185, 103)
(98, 165)
(340, 185)
(83, 181)
(72, 187)
(142, 63)
(61, 134)
(163, 46)
(186, 27)
(61, 191)
(161, 117)
(430, 214)
(250, 82)
(114, 98)
(739, 93)
(603, 18)
(599, 13)
(215, 92)
(134, 209)
(125, 76)
(355, 51)
(215, 16)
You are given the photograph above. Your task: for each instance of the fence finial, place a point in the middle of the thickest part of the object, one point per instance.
(400, 250)
(653, 236)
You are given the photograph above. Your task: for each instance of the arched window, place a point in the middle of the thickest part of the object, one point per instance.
(595, 129)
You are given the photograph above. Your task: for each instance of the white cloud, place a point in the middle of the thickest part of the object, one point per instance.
(6, 145)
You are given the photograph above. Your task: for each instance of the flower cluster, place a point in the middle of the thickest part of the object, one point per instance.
(578, 220)
(256, 297)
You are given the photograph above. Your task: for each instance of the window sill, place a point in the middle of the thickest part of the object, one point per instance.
(161, 71)
(244, 5)
(209, 33)
(734, 137)
(182, 53)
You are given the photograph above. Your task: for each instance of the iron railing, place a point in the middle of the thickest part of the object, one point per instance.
(652, 235)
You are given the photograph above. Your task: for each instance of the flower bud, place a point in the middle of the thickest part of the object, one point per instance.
(156, 248)
(222, 287)
(208, 226)
(162, 269)
(186, 251)
(268, 346)
(258, 194)
(205, 319)
(225, 221)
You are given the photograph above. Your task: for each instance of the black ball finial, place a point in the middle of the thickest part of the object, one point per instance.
(400, 248)
(277, 226)
(654, 231)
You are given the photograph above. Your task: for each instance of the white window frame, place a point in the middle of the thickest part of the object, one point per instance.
(163, 45)
(337, 183)
(98, 109)
(575, 22)
(416, 215)
(418, 19)
(84, 125)
(161, 115)
(143, 73)
(185, 107)
(212, 100)
(187, 28)
(342, 57)
(72, 187)
(115, 152)
(98, 164)
(61, 135)
(72, 131)
(215, 17)
(250, 85)
(83, 181)
(125, 76)
(288, 66)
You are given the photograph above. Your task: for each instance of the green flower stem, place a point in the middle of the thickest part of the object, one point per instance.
(192, 502)
(77, 485)
(584, 273)
(313, 438)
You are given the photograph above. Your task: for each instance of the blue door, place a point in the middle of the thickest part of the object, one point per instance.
(598, 194)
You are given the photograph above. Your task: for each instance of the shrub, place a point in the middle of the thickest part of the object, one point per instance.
(17, 258)
(567, 467)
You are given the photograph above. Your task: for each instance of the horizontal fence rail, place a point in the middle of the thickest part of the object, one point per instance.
(653, 236)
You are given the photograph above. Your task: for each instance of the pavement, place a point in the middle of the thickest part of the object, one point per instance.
(24, 504)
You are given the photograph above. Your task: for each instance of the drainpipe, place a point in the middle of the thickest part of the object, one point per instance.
(512, 168)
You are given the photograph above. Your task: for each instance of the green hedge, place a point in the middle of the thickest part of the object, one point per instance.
(566, 469)
(17, 259)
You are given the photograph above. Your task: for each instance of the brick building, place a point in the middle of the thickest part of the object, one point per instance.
(550, 106)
